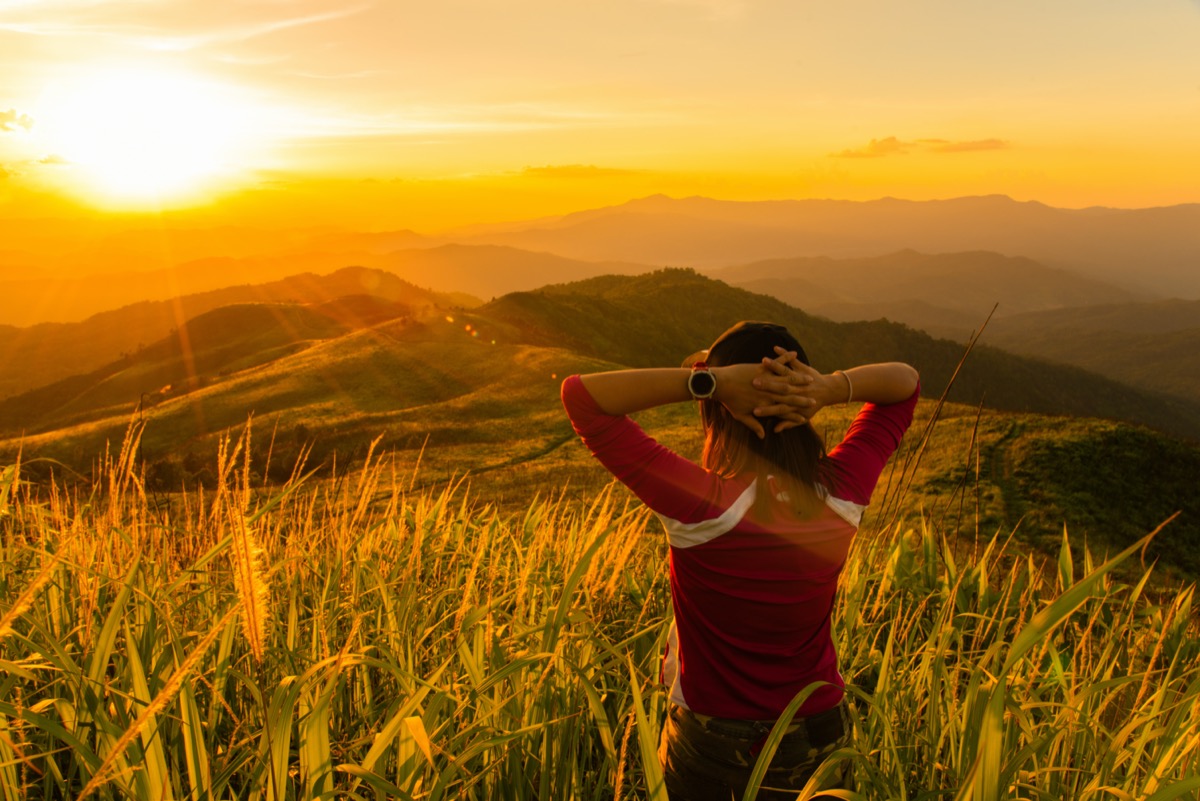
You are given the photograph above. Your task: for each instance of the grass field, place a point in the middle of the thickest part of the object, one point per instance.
(357, 637)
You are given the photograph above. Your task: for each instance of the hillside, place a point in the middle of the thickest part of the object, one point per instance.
(474, 395)
(205, 349)
(1149, 250)
(39, 355)
(927, 291)
(659, 318)
(488, 271)
(1155, 345)
(1151, 345)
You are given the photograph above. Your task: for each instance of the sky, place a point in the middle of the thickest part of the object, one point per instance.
(428, 115)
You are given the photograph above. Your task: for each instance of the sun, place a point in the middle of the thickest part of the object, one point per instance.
(145, 135)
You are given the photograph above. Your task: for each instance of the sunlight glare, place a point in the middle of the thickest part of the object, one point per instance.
(146, 135)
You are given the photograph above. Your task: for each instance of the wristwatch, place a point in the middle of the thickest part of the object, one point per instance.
(701, 381)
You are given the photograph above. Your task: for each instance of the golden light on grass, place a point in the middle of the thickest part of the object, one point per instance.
(433, 647)
(145, 134)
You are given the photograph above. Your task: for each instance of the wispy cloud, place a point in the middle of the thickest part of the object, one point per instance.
(12, 119)
(576, 171)
(892, 146)
(242, 33)
(86, 22)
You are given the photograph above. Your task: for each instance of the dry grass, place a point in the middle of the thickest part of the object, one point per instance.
(423, 645)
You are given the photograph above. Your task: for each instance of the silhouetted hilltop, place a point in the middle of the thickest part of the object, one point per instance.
(213, 345)
(35, 356)
(659, 318)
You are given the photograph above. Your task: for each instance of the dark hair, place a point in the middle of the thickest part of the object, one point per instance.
(792, 456)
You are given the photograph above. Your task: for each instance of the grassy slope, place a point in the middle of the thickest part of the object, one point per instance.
(41, 354)
(1154, 345)
(475, 395)
(661, 317)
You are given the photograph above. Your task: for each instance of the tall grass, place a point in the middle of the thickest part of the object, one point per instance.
(353, 639)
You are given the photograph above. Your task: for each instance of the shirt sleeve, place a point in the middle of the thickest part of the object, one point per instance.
(665, 481)
(851, 470)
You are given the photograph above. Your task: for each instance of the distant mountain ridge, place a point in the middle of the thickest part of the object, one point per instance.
(965, 286)
(1152, 250)
(481, 271)
(652, 319)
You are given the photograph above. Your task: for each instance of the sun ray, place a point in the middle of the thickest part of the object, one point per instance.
(146, 135)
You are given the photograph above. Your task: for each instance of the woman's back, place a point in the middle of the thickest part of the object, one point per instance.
(752, 583)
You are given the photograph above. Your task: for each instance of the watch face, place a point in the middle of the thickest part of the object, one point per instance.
(701, 384)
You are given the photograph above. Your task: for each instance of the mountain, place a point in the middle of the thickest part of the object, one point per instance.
(932, 292)
(489, 271)
(1151, 251)
(651, 319)
(481, 271)
(203, 351)
(473, 395)
(1154, 345)
(38, 355)
(659, 318)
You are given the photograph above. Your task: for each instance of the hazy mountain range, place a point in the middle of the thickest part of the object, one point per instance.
(1079, 287)
(646, 320)
(1155, 251)
(960, 287)
(52, 272)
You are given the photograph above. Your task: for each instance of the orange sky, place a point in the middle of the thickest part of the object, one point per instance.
(429, 115)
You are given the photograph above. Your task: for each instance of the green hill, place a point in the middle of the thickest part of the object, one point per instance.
(41, 354)
(1154, 345)
(473, 395)
(658, 318)
(215, 344)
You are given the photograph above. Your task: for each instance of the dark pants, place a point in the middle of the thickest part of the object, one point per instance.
(710, 759)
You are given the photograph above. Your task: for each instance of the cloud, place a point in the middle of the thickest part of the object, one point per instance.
(244, 33)
(876, 149)
(892, 146)
(81, 19)
(53, 158)
(12, 119)
(573, 171)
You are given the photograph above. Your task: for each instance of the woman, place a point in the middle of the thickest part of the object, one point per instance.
(758, 533)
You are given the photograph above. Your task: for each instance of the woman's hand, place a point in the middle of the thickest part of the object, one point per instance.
(774, 388)
(798, 391)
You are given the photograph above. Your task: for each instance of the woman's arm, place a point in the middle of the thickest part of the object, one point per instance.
(738, 388)
(783, 387)
(887, 382)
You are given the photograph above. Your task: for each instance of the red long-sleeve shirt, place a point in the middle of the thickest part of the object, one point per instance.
(752, 593)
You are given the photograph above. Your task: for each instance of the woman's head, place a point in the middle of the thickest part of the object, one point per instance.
(794, 454)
